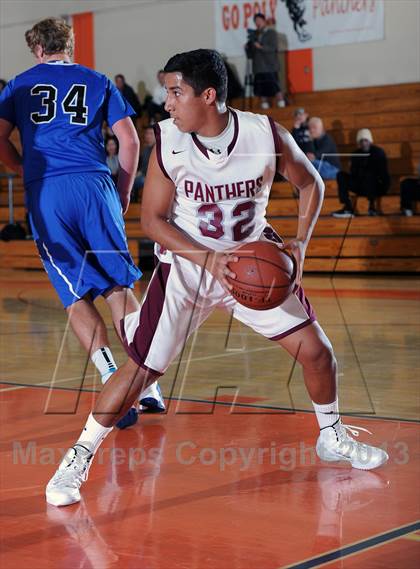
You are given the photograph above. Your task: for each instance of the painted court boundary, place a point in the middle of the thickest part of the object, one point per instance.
(355, 548)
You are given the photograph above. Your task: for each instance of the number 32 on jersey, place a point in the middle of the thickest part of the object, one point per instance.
(73, 104)
(211, 220)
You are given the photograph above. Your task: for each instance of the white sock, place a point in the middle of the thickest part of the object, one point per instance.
(93, 434)
(327, 414)
(104, 362)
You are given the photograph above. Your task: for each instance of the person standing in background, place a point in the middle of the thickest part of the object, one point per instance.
(265, 64)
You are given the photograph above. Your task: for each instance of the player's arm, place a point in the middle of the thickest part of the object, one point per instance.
(157, 200)
(8, 153)
(296, 168)
(128, 157)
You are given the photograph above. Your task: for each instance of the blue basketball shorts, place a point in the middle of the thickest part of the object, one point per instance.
(78, 227)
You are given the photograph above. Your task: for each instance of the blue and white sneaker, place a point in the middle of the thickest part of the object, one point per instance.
(151, 400)
(129, 419)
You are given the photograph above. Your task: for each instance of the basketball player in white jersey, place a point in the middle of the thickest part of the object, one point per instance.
(206, 193)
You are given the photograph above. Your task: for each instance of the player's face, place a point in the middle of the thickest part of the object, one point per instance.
(182, 103)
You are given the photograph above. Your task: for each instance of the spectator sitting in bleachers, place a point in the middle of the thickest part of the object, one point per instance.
(3, 84)
(111, 148)
(368, 176)
(322, 150)
(300, 131)
(410, 192)
(156, 105)
(129, 94)
(147, 147)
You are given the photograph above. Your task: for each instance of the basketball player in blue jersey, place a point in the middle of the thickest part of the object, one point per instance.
(74, 208)
(206, 192)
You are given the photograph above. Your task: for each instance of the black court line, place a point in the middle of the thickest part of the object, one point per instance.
(288, 410)
(357, 547)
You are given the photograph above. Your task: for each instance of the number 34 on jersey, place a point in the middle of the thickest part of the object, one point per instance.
(73, 104)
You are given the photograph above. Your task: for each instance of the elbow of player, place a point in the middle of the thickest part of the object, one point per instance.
(131, 144)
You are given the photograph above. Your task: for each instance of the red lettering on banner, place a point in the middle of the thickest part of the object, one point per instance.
(247, 14)
(225, 17)
(273, 6)
(235, 17)
(330, 7)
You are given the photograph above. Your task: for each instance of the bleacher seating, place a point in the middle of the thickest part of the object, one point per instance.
(387, 243)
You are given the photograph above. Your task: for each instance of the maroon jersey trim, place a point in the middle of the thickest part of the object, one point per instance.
(159, 149)
(277, 142)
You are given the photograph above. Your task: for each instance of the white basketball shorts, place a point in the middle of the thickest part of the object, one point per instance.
(180, 297)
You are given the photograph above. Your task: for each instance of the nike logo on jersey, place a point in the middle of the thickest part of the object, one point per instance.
(177, 151)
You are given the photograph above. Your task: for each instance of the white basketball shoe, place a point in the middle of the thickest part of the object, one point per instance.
(334, 443)
(63, 488)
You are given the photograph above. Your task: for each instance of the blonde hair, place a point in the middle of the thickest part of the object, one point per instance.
(53, 35)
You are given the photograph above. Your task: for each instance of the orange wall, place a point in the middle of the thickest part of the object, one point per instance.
(84, 52)
(299, 71)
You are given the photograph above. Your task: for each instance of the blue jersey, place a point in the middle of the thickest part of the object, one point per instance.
(59, 109)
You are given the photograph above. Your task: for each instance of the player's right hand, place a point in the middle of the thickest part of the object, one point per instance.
(217, 264)
(125, 202)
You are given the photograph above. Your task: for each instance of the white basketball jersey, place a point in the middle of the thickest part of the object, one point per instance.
(220, 199)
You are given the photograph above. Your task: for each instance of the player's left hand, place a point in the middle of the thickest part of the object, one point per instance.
(258, 45)
(297, 248)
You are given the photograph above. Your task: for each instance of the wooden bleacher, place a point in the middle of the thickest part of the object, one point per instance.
(387, 243)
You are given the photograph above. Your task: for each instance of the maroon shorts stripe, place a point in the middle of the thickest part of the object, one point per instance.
(307, 306)
(293, 330)
(150, 314)
(159, 149)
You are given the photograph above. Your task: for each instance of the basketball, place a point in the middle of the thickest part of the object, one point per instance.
(265, 275)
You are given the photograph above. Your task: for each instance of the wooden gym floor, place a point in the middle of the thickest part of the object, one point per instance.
(212, 484)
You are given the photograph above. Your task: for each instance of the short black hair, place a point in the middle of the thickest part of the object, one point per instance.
(120, 76)
(259, 15)
(201, 68)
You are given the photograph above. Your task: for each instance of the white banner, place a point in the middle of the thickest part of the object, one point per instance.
(302, 23)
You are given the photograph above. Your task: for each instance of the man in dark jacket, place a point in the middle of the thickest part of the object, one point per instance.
(368, 176)
(322, 150)
(129, 95)
(265, 63)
